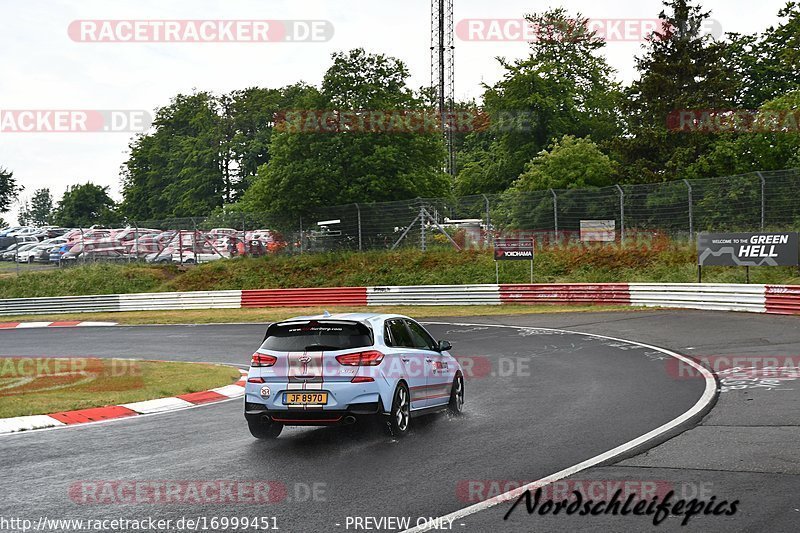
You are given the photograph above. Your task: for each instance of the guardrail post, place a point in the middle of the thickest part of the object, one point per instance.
(621, 212)
(555, 214)
(358, 211)
(763, 199)
(691, 210)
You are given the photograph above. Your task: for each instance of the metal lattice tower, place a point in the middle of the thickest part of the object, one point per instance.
(443, 71)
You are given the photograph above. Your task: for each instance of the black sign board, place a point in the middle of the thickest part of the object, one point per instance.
(747, 249)
(513, 250)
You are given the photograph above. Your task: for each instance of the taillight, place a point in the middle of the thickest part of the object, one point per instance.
(362, 379)
(370, 358)
(261, 360)
(255, 380)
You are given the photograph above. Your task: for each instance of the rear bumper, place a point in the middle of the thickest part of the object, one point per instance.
(256, 413)
(342, 395)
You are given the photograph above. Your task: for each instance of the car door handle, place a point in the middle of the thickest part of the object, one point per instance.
(405, 359)
(429, 360)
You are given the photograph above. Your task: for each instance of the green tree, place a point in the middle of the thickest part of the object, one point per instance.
(308, 170)
(38, 211)
(569, 163)
(176, 171)
(204, 153)
(752, 152)
(768, 62)
(85, 205)
(252, 113)
(8, 189)
(682, 68)
(564, 87)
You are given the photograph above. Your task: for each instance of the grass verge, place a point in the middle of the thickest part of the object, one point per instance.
(32, 386)
(229, 316)
(659, 261)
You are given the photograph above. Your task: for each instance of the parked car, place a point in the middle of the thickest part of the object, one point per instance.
(11, 253)
(320, 370)
(7, 242)
(40, 252)
(57, 253)
(96, 251)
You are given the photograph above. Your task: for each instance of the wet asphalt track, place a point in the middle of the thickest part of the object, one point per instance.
(539, 402)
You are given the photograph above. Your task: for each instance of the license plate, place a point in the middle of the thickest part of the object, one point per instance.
(306, 398)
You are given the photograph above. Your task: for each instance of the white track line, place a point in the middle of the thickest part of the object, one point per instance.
(705, 399)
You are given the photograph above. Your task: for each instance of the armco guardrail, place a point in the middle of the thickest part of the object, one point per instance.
(712, 297)
(783, 300)
(62, 304)
(752, 298)
(303, 297)
(435, 295)
(180, 300)
(580, 293)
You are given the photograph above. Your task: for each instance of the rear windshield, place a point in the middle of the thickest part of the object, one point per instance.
(317, 337)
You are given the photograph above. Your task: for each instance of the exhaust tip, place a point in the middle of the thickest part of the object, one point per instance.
(349, 420)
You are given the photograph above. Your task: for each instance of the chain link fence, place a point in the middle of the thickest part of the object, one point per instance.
(679, 209)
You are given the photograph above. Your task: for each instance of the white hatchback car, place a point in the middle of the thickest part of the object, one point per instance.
(334, 369)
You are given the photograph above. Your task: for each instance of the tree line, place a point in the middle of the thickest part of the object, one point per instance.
(209, 153)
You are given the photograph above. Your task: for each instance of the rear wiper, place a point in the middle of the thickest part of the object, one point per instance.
(320, 348)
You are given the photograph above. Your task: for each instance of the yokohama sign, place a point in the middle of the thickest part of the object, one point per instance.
(513, 250)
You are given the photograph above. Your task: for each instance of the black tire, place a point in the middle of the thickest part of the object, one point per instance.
(456, 406)
(265, 431)
(400, 417)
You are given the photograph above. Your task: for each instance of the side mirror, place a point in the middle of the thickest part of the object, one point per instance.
(445, 346)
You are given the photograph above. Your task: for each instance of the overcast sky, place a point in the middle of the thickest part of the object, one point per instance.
(43, 68)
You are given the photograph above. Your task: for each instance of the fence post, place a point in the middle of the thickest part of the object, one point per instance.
(136, 236)
(194, 240)
(358, 210)
(422, 221)
(555, 215)
(621, 212)
(763, 199)
(691, 210)
(488, 220)
(301, 235)
(16, 253)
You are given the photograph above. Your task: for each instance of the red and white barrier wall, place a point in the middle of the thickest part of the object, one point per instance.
(751, 298)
